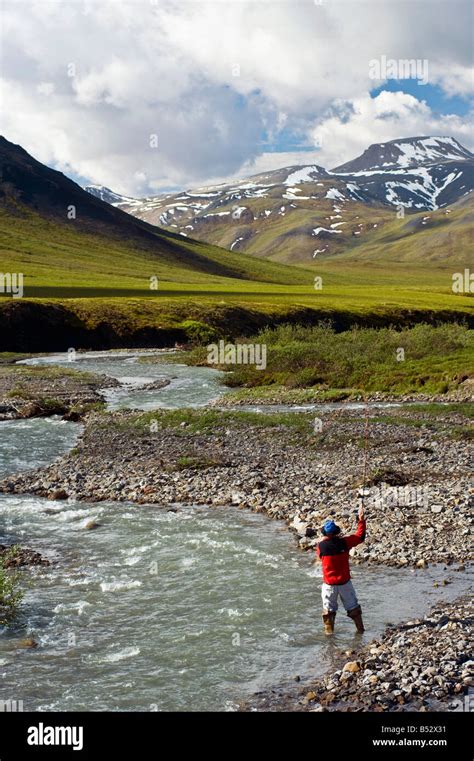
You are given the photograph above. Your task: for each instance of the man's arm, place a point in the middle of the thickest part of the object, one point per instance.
(359, 536)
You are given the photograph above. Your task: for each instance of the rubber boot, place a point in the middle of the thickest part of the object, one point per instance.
(329, 619)
(356, 615)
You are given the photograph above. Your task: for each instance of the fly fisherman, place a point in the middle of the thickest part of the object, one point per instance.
(333, 551)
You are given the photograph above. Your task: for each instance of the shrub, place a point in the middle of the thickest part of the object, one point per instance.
(199, 332)
(10, 593)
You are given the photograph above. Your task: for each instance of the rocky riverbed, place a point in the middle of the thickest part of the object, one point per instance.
(13, 556)
(421, 665)
(27, 391)
(418, 494)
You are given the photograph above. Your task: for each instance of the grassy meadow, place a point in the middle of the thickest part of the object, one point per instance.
(91, 280)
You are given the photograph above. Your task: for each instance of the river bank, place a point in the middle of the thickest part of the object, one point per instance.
(280, 395)
(30, 391)
(418, 665)
(296, 467)
(418, 492)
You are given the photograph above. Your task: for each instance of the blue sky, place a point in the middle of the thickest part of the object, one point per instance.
(440, 102)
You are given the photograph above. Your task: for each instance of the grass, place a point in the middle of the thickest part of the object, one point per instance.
(10, 357)
(58, 259)
(66, 266)
(206, 421)
(29, 381)
(364, 297)
(384, 293)
(451, 419)
(78, 282)
(432, 360)
(275, 394)
(193, 462)
(43, 372)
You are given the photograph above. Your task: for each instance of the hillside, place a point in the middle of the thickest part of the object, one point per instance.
(87, 280)
(101, 247)
(301, 213)
(441, 238)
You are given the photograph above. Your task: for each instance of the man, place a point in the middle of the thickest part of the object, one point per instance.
(333, 552)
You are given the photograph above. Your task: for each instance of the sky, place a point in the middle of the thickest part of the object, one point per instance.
(146, 96)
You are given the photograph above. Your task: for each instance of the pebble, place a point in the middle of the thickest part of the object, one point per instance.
(269, 469)
(424, 671)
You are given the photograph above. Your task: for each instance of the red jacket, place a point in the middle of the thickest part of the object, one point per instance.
(333, 552)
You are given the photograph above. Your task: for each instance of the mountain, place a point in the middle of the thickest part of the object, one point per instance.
(418, 173)
(300, 213)
(405, 154)
(443, 238)
(53, 231)
(107, 195)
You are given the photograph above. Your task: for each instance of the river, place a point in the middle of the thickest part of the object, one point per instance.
(192, 609)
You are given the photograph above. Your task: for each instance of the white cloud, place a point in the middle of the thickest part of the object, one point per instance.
(455, 80)
(45, 88)
(389, 116)
(168, 68)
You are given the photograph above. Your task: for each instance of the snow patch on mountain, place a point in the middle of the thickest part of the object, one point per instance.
(335, 195)
(305, 174)
(318, 230)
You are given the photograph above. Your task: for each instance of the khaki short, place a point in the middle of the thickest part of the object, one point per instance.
(330, 593)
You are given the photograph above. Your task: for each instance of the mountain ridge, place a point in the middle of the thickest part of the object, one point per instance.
(432, 148)
(297, 213)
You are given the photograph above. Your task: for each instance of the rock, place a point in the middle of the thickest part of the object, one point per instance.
(22, 556)
(58, 494)
(28, 642)
(300, 526)
(421, 563)
(92, 525)
(156, 385)
(351, 666)
(32, 409)
(72, 415)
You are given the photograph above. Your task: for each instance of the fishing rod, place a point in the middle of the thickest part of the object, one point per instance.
(366, 450)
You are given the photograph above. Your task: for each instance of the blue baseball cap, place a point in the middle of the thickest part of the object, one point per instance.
(331, 528)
